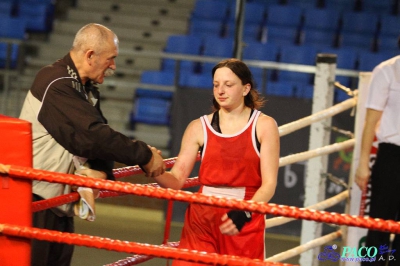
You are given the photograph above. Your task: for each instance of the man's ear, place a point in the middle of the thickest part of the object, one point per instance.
(89, 54)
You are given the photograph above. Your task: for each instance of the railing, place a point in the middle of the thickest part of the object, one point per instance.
(266, 65)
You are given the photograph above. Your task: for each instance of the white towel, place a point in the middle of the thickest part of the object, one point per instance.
(85, 207)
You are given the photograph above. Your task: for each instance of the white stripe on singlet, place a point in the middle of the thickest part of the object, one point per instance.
(226, 192)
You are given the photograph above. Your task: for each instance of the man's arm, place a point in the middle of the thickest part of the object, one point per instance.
(363, 172)
(79, 127)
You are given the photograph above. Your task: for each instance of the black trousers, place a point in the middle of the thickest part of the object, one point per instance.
(46, 253)
(385, 201)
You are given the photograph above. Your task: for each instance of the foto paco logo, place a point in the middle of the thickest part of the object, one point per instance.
(369, 254)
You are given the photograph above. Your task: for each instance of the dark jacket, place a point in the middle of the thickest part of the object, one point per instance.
(67, 120)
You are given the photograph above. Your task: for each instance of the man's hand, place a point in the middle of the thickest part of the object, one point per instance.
(362, 177)
(91, 173)
(156, 165)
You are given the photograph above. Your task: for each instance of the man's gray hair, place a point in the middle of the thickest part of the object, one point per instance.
(92, 36)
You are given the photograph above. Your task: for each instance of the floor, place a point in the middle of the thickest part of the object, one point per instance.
(145, 226)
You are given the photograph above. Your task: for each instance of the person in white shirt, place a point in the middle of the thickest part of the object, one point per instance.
(383, 121)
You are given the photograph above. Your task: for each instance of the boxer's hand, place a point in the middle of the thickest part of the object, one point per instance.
(234, 221)
(155, 166)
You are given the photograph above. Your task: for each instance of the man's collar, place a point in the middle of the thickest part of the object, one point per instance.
(72, 71)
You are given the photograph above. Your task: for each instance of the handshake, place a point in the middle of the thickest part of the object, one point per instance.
(156, 165)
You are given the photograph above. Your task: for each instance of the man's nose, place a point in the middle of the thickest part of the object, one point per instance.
(113, 65)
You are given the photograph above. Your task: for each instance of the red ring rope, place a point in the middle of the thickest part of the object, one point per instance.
(170, 194)
(129, 247)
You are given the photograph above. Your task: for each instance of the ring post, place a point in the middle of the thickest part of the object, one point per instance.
(358, 205)
(319, 137)
(15, 194)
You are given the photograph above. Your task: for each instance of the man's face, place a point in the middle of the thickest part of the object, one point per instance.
(104, 62)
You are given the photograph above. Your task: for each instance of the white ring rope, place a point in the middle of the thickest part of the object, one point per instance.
(319, 206)
(308, 120)
(302, 248)
(302, 156)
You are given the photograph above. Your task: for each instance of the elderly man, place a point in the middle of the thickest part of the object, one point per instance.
(69, 130)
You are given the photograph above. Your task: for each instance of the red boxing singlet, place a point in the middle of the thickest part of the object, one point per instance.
(231, 160)
(230, 167)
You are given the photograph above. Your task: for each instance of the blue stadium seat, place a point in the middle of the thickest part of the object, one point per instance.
(389, 44)
(321, 19)
(383, 7)
(154, 94)
(266, 2)
(6, 7)
(340, 5)
(210, 9)
(304, 4)
(11, 28)
(389, 26)
(298, 54)
(294, 76)
(262, 52)
(254, 12)
(346, 57)
(282, 35)
(196, 81)
(182, 44)
(280, 88)
(166, 78)
(361, 42)
(284, 15)
(217, 47)
(293, 54)
(360, 23)
(39, 14)
(318, 38)
(251, 32)
(220, 47)
(151, 107)
(367, 61)
(205, 27)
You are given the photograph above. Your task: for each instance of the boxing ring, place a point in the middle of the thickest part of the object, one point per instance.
(16, 175)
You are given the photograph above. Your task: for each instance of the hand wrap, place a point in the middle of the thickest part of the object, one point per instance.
(239, 218)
